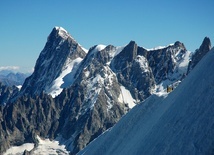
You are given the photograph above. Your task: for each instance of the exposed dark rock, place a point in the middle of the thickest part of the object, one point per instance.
(200, 53)
(7, 92)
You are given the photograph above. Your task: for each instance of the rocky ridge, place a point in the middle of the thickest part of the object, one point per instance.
(200, 53)
(74, 95)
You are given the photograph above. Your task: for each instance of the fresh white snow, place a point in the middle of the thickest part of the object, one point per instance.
(181, 123)
(158, 47)
(116, 51)
(126, 97)
(19, 87)
(66, 78)
(62, 32)
(18, 150)
(84, 49)
(49, 147)
(144, 65)
(45, 146)
(100, 47)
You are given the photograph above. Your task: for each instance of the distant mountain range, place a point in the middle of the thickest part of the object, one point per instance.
(10, 78)
(74, 94)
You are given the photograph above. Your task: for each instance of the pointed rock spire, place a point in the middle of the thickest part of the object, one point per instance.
(200, 53)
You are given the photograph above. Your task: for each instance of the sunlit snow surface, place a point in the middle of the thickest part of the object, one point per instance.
(18, 150)
(158, 47)
(126, 97)
(45, 147)
(66, 78)
(49, 147)
(181, 123)
(19, 87)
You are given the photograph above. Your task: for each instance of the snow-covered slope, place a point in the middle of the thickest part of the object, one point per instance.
(44, 147)
(181, 123)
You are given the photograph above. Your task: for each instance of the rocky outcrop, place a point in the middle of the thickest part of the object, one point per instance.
(200, 53)
(7, 92)
(22, 120)
(133, 71)
(165, 61)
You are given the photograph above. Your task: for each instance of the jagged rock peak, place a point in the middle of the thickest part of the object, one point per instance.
(59, 32)
(206, 44)
(200, 53)
(179, 44)
(60, 54)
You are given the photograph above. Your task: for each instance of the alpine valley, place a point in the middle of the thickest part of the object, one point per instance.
(74, 95)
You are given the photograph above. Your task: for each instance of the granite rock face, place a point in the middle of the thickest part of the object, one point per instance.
(133, 71)
(200, 53)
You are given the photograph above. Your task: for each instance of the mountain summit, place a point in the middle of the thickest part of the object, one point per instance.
(60, 56)
(200, 53)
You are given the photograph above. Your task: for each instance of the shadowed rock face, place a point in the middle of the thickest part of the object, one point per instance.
(200, 53)
(7, 92)
(92, 102)
(137, 77)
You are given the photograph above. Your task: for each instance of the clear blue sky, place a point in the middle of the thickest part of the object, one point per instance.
(25, 24)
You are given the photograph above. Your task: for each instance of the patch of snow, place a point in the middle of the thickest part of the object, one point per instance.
(160, 90)
(87, 73)
(183, 65)
(100, 47)
(158, 47)
(49, 147)
(143, 63)
(62, 32)
(19, 150)
(97, 48)
(69, 143)
(66, 78)
(95, 84)
(84, 49)
(126, 97)
(116, 51)
(19, 87)
(60, 29)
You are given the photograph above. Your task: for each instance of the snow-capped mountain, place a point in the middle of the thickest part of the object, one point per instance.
(180, 123)
(60, 56)
(74, 95)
